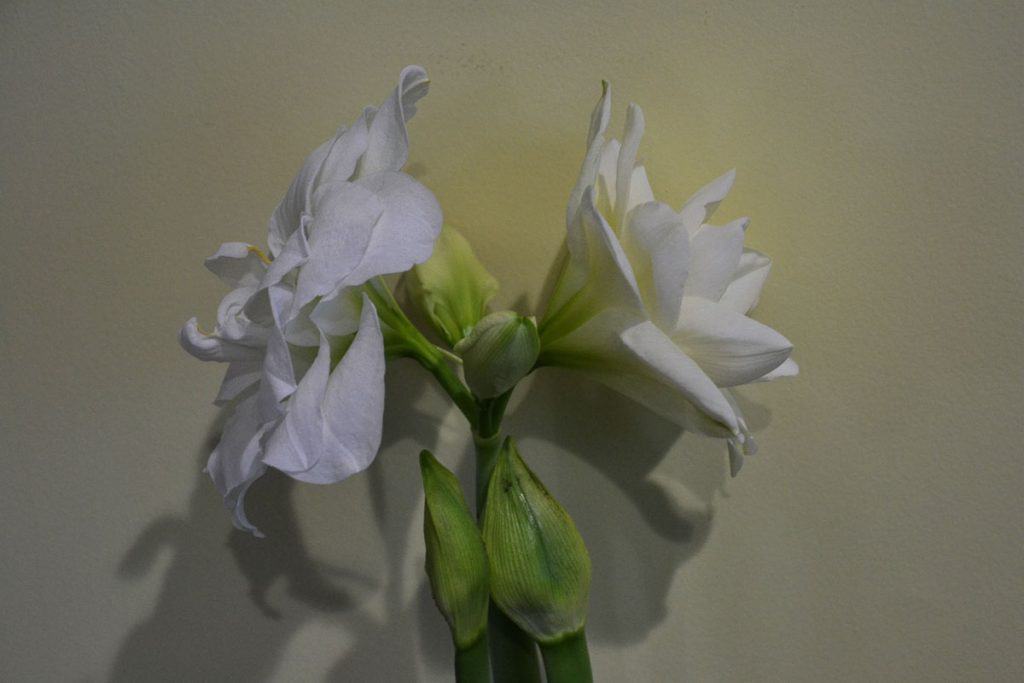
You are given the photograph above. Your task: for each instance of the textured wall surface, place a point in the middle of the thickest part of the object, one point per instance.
(879, 150)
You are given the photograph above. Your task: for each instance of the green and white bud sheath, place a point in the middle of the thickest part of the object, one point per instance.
(457, 568)
(452, 288)
(501, 350)
(540, 569)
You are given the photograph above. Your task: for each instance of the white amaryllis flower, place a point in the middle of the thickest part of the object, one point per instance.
(653, 301)
(303, 342)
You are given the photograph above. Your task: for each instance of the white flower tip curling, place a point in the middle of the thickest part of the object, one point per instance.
(413, 84)
(238, 516)
(196, 342)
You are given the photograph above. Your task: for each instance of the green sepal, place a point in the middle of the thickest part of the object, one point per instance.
(452, 288)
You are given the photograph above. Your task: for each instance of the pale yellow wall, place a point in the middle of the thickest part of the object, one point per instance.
(879, 151)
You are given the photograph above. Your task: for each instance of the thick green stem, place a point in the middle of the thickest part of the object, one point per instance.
(473, 663)
(513, 653)
(567, 660)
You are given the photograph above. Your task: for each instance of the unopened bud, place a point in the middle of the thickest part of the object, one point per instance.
(456, 561)
(500, 351)
(540, 570)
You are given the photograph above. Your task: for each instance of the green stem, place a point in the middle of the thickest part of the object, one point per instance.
(472, 663)
(513, 653)
(567, 660)
(414, 345)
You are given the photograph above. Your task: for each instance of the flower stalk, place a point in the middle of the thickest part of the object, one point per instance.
(567, 660)
(472, 662)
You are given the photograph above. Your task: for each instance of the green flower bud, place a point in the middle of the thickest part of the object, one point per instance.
(456, 561)
(499, 352)
(452, 287)
(540, 570)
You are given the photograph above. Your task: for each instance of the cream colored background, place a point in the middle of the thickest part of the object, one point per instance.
(879, 150)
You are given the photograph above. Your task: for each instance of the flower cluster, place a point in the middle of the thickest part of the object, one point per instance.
(651, 301)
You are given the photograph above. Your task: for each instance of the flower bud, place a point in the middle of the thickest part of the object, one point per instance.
(499, 352)
(540, 570)
(452, 287)
(456, 561)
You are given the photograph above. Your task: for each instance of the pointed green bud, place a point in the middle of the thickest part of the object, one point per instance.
(500, 351)
(540, 570)
(452, 287)
(456, 561)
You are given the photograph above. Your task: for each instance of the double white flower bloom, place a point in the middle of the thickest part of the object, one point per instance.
(303, 342)
(653, 302)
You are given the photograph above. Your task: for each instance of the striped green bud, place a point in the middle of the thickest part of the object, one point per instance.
(500, 351)
(456, 561)
(540, 570)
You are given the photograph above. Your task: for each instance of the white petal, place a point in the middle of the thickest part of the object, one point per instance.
(239, 376)
(387, 147)
(698, 209)
(297, 443)
(640, 191)
(604, 275)
(788, 369)
(233, 323)
(341, 161)
(405, 231)
(287, 217)
(353, 406)
(604, 185)
(666, 362)
(333, 161)
(211, 347)
(588, 172)
(278, 377)
(339, 235)
(742, 293)
(659, 249)
(731, 348)
(663, 400)
(294, 253)
(235, 463)
(238, 264)
(627, 161)
(333, 423)
(381, 224)
(714, 256)
(338, 314)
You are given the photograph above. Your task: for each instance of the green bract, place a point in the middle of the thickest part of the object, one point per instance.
(456, 561)
(500, 351)
(452, 287)
(540, 570)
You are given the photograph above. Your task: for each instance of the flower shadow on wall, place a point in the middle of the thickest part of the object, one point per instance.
(231, 604)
